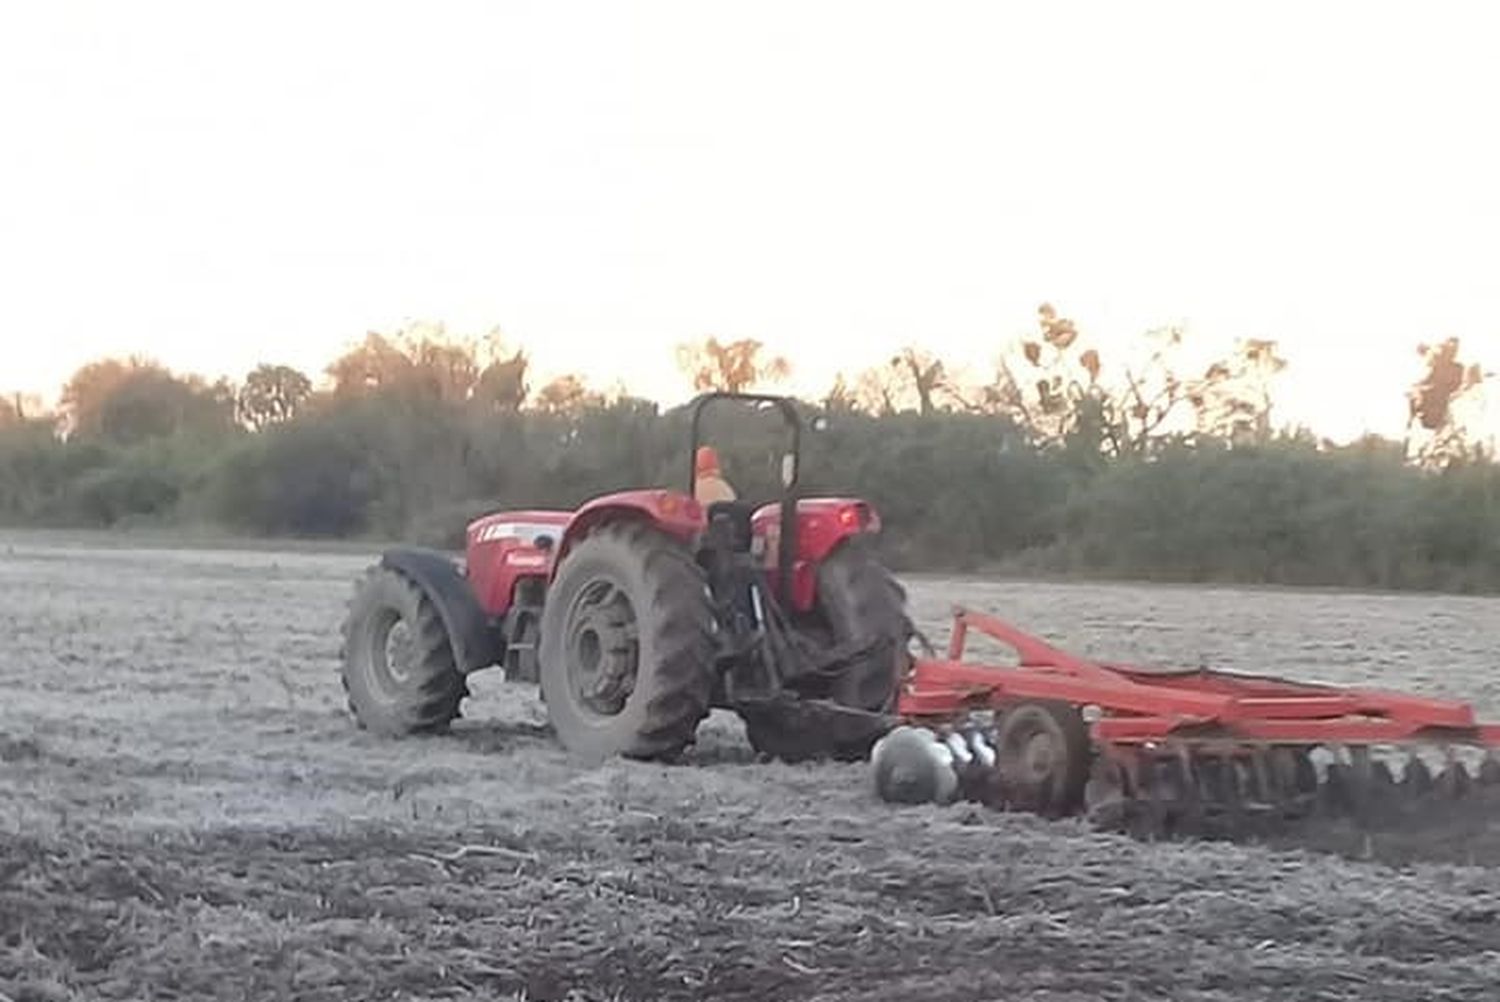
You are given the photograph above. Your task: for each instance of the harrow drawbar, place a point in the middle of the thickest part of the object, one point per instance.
(1160, 753)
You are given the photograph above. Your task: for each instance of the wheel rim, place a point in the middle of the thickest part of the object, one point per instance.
(603, 648)
(392, 655)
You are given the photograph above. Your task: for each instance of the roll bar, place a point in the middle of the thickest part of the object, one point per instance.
(787, 545)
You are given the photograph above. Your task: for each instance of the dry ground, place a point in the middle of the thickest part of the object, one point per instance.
(186, 811)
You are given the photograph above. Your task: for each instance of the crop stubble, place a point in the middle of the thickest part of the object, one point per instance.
(186, 811)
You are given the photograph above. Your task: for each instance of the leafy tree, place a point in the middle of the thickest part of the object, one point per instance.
(1040, 471)
(272, 394)
(1442, 403)
(911, 380)
(877, 391)
(423, 361)
(1233, 400)
(1047, 394)
(448, 371)
(841, 398)
(1062, 389)
(567, 394)
(374, 365)
(131, 400)
(922, 376)
(417, 361)
(734, 367)
(11, 413)
(502, 383)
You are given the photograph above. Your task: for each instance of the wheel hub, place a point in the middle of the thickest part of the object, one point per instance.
(603, 648)
(1038, 757)
(397, 654)
(1033, 758)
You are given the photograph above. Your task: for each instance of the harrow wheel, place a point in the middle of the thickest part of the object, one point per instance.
(1043, 757)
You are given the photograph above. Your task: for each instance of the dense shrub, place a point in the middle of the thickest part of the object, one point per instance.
(38, 472)
(311, 478)
(956, 491)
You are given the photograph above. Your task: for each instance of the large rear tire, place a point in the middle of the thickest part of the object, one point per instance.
(858, 599)
(398, 668)
(627, 645)
(861, 598)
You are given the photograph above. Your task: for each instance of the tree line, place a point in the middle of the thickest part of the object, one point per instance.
(1062, 459)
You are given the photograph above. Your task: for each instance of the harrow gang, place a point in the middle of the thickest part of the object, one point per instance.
(1168, 751)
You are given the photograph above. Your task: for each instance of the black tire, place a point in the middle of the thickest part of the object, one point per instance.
(623, 574)
(1050, 783)
(857, 598)
(415, 688)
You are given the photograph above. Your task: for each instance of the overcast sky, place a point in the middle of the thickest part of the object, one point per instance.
(218, 185)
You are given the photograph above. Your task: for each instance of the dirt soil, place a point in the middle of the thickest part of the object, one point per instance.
(187, 812)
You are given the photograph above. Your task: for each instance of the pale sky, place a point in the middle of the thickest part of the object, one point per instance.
(218, 185)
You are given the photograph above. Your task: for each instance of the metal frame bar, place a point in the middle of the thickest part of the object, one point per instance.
(1133, 705)
(787, 551)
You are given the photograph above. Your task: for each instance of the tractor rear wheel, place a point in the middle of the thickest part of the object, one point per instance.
(398, 667)
(858, 600)
(627, 645)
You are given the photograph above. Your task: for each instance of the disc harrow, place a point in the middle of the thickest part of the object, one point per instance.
(1177, 752)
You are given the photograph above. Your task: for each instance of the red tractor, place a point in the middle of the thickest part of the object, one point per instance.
(641, 611)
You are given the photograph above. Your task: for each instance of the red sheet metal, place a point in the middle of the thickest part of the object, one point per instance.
(1134, 705)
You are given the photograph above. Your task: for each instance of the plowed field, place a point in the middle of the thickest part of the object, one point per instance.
(188, 812)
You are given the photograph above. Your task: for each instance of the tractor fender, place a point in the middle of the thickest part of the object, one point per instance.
(677, 514)
(442, 581)
(824, 525)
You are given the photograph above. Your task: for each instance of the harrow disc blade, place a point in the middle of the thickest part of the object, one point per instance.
(1454, 781)
(1354, 804)
(1107, 795)
(1349, 801)
(1417, 777)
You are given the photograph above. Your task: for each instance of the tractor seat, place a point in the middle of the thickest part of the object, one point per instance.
(729, 525)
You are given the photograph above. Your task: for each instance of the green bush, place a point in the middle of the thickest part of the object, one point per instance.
(37, 471)
(125, 490)
(1287, 513)
(955, 491)
(305, 479)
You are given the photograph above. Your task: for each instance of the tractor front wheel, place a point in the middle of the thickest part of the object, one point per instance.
(398, 667)
(627, 646)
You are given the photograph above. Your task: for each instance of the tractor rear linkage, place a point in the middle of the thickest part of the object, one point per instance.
(1165, 748)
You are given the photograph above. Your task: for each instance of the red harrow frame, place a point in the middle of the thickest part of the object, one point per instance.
(1163, 751)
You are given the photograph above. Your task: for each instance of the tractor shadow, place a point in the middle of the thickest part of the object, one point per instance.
(495, 736)
(722, 754)
(719, 741)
